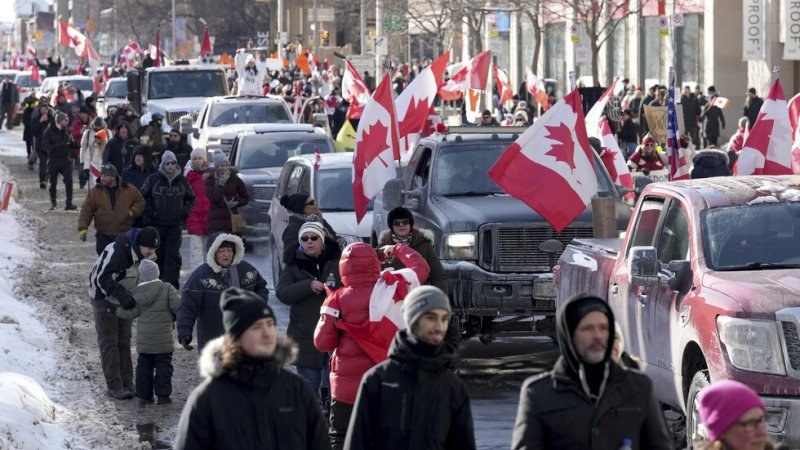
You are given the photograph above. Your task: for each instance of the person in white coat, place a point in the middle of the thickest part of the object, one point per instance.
(93, 143)
(250, 74)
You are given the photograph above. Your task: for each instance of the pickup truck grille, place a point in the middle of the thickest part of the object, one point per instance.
(263, 192)
(516, 248)
(792, 341)
(173, 116)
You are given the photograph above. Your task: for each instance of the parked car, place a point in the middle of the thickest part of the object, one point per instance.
(331, 186)
(706, 286)
(50, 85)
(498, 253)
(259, 154)
(221, 118)
(24, 87)
(115, 94)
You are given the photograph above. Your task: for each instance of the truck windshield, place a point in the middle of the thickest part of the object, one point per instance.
(261, 151)
(751, 237)
(333, 190)
(84, 85)
(238, 113)
(186, 83)
(463, 170)
(117, 89)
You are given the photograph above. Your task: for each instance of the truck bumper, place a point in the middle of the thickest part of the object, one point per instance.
(259, 227)
(783, 419)
(479, 292)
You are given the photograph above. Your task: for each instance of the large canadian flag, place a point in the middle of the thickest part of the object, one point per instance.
(455, 87)
(377, 146)
(479, 70)
(354, 90)
(415, 102)
(595, 115)
(70, 37)
(768, 148)
(794, 119)
(503, 86)
(550, 166)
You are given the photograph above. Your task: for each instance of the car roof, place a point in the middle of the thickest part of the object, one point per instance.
(69, 77)
(731, 191)
(185, 68)
(241, 99)
(268, 128)
(475, 134)
(327, 160)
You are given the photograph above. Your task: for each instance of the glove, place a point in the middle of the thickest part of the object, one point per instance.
(186, 342)
(231, 203)
(126, 301)
(82, 235)
(130, 212)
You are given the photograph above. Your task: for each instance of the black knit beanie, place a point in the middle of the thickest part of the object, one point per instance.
(295, 203)
(578, 309)
(399, 213)
(240, 309)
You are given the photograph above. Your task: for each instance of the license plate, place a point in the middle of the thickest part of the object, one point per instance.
(544, 289)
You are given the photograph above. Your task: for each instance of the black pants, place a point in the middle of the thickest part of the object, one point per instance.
(340, 419)
(169, 253)
(101, 241)
(7, 113)
(63, 167)
(711, 140)
(84, 176)
(29, 148)
(154, 374)
(114, 340)
(42, 166)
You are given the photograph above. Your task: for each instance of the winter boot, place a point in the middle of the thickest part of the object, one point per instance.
(42, 185)
(145, 401)
(70, 207)
(164, 400)
(120, 394)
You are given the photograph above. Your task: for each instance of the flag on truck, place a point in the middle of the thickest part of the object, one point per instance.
(416, 100)
(768, 147)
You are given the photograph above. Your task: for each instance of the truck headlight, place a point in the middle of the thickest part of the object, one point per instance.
(752, 345)
(460, 246)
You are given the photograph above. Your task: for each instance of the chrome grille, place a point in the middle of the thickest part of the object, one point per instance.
(263, 192)
(792, 342)
(173, 116)
(516, 248)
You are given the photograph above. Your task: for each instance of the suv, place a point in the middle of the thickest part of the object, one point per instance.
(498, 253)
(115, 94)
(221, 118)
(331, 186)
(259, 155)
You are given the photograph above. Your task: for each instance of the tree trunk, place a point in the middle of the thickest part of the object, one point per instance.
(595, 63)
(537, 34)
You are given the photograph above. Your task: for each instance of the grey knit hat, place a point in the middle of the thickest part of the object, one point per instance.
(148, 271)
(421, 300)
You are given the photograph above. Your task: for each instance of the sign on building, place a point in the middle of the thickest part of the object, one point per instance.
(791, 48)
(754, 31)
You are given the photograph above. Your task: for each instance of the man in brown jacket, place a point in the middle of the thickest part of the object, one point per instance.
(113, 204)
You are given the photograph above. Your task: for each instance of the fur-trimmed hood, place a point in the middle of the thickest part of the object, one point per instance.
(710, 158)
(417, 235)
(210, 363)
(238, 253)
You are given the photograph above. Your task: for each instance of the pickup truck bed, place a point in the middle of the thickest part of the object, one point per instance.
(596, 255)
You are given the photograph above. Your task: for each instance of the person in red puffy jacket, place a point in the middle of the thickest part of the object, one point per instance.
(197, 222)
(358, 339)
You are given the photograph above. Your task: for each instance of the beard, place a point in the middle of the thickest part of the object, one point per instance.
(593, 355)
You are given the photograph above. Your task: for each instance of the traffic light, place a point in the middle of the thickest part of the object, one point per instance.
(324, 36)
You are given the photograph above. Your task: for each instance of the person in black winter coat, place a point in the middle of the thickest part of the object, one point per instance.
(40, 120)
(712, 119)
(588, 401)
(248, 399)
(176, 143)
(60, 147)
(413, 400)
(169, 199)
(138, 171)
(752, 106)
(710, 163)
(28, 107)
(310, 271)
(224, 267)
(52, 67)
(118, 151)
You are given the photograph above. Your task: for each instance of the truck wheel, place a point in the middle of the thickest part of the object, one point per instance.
(699, 381)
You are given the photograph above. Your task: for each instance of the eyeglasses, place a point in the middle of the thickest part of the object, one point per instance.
(649, 145)
(487, 117)
(170, 163)
(313, 238)
(752, 425)
(310, 202)
(400, 222)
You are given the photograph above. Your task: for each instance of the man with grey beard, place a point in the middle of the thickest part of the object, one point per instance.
(587, 401)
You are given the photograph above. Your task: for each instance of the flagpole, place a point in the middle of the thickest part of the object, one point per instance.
(776, 73)
(572, 83)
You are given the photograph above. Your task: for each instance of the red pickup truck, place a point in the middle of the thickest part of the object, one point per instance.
(705, 286)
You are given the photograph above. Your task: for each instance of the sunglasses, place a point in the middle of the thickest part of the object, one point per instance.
(400, 222)
(313, 238)
(649, 145)
(486, 117)
(170, 163)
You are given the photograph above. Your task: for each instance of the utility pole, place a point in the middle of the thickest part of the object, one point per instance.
(174, 42)
(380, 33)
(280, 28)
(362, 21)
(316, 28)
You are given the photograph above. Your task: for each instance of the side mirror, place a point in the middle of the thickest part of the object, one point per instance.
(681, 280)
(196, 133)
(622, 190)
(643, 266)
(393, 194)
(414, 199)
(185, 124)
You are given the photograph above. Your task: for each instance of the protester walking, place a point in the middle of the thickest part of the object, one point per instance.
(197, 222)
(156, 305)
(713, 119)
(734, 418)
(437, 413)
(224, 267)
(752, 105)
(60, 148)
(169, 200)
(226, 194)
(588, 401)
(40, 123)
(29, 105)
(9, 98)
(93, 143)
(248, 399)
(116, 151)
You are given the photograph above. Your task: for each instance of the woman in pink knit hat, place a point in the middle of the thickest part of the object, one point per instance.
(734, 418)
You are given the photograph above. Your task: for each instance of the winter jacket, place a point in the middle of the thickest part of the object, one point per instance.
(249, 81)
(710, 163)
(294, 289)
(92, 149)
(289, 237)
(136, 175)
(38, 128)
(752, 108)
(555, 411)
(116, 270)
(219, 217)
(29, 105)
(639, 163)
(197, 222)
(200, 296)
(118, 152)
(58, 143)
(182, 151)
(112, 209)
(359, 268)
(169, 199)
(412, 402)
(628, 131)
(691, 111)
(156, 305)
(77, 127)
(422, 242)
(712, 118)
(257, 405)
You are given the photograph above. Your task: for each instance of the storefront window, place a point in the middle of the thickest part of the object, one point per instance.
(690, 51)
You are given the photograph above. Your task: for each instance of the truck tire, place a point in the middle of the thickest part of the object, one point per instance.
(699, 382)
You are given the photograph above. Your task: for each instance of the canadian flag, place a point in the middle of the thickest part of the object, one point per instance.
(479, 70)
(595, 115)
(455, 87)
(503, 86)
(205, 49)
(70, 37)
(794, 119)
(535, 87)
(472, 103)
(767, 149)
(377, 146)
(611, 151)
(128, 55)
(354, 90)
(416, 101)
(552, 156)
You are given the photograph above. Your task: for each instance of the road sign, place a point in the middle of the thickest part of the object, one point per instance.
(363, 63)
(381, 45)
(262, 39)
(395, 21)
(663, 26)
(677, 20)
(574, 30)
(323, 15)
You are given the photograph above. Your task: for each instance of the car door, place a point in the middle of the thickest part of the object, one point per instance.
(624, 298)
(296, 180)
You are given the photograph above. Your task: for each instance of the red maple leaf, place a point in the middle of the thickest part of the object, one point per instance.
(759, 135)
(564, 150)
(372, 143)
(473, 99)
(414, 119)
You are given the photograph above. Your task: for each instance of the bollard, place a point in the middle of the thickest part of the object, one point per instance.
(604, 217)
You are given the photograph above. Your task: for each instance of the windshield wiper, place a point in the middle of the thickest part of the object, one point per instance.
(471, 194)
(761, 265)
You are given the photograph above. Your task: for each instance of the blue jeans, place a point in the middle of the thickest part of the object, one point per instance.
(316, 378)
